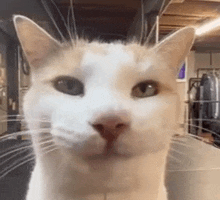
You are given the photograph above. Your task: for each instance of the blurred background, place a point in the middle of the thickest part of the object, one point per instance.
(148, 21)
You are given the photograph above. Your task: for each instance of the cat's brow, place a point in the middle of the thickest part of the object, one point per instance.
(147, 68)
(152, 69)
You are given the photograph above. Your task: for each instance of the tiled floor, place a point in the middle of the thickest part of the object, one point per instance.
(193, 174)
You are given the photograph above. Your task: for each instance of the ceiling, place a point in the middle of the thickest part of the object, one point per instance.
(110, 19)
(193, 13)
(121, 19)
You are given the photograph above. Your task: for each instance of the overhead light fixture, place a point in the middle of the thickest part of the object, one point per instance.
(208, 27)
(177, 1)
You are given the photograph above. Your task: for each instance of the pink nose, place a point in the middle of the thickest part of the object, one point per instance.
(110, 127)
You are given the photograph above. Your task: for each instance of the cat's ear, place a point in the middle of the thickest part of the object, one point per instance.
(175, 48)
(37, 44)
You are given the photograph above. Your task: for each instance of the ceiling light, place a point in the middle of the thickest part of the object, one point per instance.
(177, 1)
(208, 27)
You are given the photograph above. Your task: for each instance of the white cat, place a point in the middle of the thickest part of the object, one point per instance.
(111, 109)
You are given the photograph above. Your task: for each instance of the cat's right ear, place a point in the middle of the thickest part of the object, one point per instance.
(36, 43)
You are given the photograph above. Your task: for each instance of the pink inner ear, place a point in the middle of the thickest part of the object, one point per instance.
(37, 44)
(37, 52)
(34, 58)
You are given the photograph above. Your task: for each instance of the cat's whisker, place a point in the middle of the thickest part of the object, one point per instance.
(194, 136)
(53, 20)
(189, 135)
(178, 141)
(23, 161)
(31, 120)
(206, 120)
(178, 138)
(176, 151)
(22, 120)
(142, 23)
(45, 143)
(70, 27)
(197, 137)
(182, 144)
(174, 158)
(62, 18)
(203, 142)
(16, 150)
(68, 21)
(21, 147)
(8, 136)
(205, 129)
(27, 132)
(6, 116)
(74, 116)
(5, 172)
(74, 20)
(15, 164)
(194, 170)
(48, 147)
(14, 155)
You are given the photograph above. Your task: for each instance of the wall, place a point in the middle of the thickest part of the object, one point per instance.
(3, 84)
(194, 61)
(203, 60)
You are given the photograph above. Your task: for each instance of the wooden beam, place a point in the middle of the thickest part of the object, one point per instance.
(170, 20)
(145, 19)
(134, 4)
(194, 8)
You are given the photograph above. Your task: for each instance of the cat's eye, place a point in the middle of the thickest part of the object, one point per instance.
(69, 85)
(145, 89)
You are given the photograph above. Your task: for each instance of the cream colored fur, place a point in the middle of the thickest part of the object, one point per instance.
(74, 170)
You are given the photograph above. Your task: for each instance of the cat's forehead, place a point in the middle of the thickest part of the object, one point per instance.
(85, 59)
(113, 55)
(88, 57)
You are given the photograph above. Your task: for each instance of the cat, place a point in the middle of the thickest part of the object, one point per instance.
(101, 115)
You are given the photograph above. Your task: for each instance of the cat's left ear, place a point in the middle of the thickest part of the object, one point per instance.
(175, 48)
(36, 43)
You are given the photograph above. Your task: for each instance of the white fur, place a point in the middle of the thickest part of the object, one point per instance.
(108, 72)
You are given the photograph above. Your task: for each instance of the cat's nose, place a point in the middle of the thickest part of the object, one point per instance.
(110, 127)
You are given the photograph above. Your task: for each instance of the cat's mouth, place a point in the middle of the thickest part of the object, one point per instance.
(109, 148)
(92, 149)
(108, 153)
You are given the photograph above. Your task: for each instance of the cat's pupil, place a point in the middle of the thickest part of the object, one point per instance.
(143, 87)
(69, 85)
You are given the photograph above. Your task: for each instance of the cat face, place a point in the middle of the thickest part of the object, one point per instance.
(103, 99)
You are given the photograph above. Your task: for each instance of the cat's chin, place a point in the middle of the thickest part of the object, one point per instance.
(103, 157)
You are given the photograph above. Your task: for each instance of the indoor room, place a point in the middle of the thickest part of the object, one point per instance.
(109, 100)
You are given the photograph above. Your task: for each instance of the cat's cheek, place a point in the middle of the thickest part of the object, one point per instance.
(141, 143)
(82, 144)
